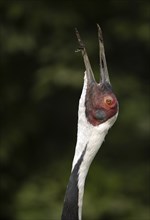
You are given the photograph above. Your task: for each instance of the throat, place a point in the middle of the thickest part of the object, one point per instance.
(71, 208)
(73, 201)
(89, 140)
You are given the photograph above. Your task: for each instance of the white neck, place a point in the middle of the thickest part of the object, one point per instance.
(89, 137)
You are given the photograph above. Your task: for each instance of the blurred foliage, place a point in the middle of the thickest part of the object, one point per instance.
(41, 82)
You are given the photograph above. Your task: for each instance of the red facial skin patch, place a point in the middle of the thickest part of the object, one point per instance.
(101, 103)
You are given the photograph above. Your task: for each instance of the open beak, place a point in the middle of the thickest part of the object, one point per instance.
(102, 59)
(89, 71)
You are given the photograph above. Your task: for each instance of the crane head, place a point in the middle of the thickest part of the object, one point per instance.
(100, 102)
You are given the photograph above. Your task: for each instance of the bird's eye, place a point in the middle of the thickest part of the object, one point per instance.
(109, 101)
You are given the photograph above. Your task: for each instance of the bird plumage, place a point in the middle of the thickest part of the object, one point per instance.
(98, 110)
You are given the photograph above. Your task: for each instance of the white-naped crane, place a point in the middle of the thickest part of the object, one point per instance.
(98, 110)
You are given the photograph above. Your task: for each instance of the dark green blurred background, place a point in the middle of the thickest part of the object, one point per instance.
(41, 80)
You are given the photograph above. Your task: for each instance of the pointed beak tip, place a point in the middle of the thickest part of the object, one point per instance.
(98, 26)
(76, 30)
